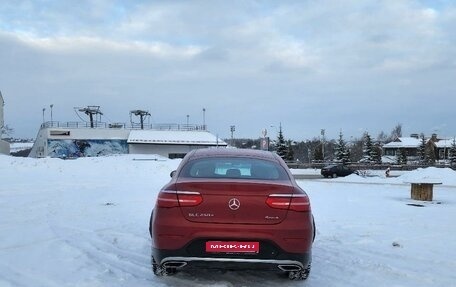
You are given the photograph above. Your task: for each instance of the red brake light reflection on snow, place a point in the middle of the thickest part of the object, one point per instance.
(168, 199)
(295, 202)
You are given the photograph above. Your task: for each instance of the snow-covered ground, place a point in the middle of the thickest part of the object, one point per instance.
(15, 147)
(84, 223)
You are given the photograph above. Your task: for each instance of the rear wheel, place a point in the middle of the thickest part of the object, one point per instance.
(299, 275)
(150, 223)
(334, 175)
(314, 229)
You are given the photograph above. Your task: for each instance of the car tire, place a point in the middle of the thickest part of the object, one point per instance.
(300, 275)
(314, 229)
(150, 223)
(334, 175)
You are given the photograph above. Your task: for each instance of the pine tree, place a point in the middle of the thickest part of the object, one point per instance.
(318, 153)
(422, 150)
(401, 156)
(453, 152)
(368, 149)
(377, 153)
(430, 154)
(341, 152)
(281, 148)
(290, 152)
(404, 157)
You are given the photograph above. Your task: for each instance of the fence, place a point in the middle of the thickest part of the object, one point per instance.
(365, 166)
(161, 127)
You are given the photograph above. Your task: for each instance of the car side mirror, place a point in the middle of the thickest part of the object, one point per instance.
(172, 173)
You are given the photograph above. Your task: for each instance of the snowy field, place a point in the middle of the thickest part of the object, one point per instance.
(84, 222)
(15, 147)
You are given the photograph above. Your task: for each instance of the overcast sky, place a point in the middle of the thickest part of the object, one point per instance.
(345, 65)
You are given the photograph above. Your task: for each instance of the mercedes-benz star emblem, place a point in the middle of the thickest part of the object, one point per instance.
(234, 204)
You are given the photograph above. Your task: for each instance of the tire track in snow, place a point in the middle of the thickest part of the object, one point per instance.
(109, 257)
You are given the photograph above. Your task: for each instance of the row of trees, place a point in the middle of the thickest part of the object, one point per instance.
(364, 149)
(371, 152)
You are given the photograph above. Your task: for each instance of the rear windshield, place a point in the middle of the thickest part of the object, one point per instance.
(245, 168)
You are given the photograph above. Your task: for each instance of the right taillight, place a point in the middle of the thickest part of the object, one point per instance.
(168, 199)
(295, 202)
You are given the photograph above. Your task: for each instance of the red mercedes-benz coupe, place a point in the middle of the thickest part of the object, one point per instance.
(232, 208)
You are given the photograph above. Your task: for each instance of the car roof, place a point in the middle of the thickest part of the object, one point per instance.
(232, 152)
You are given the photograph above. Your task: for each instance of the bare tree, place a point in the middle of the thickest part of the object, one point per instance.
(396, 132)
(382, 137)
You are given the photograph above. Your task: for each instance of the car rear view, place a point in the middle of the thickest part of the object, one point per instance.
(227, 208)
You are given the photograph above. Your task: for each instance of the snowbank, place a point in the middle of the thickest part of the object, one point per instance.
(84, 222)
(446, 176)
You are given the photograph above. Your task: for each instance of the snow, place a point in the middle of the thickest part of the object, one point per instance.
(15, 147)
(84, 223)
(174, 137)
(404, 142)
(444, 143)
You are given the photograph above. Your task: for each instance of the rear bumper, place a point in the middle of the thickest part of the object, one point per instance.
(292, 236)
(283, 261)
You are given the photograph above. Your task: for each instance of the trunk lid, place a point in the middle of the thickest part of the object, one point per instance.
(234, 201)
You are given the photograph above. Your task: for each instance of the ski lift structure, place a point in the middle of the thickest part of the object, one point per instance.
(91, 111)
(93, 137)
(142, 114)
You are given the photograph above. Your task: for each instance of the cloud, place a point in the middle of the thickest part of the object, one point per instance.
(252, 63)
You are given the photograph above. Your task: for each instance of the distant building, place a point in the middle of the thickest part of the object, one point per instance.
(410, 146)
(407, 145)
(72, 140)
(172, 144)
(4, 146)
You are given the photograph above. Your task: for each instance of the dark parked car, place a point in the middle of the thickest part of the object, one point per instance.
(232, 208)
(336, 170)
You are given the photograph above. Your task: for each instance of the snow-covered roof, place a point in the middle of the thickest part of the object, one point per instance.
(411, 142)
(444, 143)
(174, 137)
(404, 142)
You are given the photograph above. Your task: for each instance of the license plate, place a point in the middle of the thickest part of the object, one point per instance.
(232, 247)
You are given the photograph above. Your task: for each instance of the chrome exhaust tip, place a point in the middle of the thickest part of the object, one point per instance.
(289, 267)
(174, 264)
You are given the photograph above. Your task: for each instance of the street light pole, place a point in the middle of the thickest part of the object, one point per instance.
(51, 106)
(204, 119)
(232, 129)
(323, 143)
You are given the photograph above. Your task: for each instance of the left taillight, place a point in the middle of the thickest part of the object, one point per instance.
(189, 198)
(295, 202)
(168, 199)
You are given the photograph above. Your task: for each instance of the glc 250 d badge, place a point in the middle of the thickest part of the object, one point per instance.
(234, 204)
